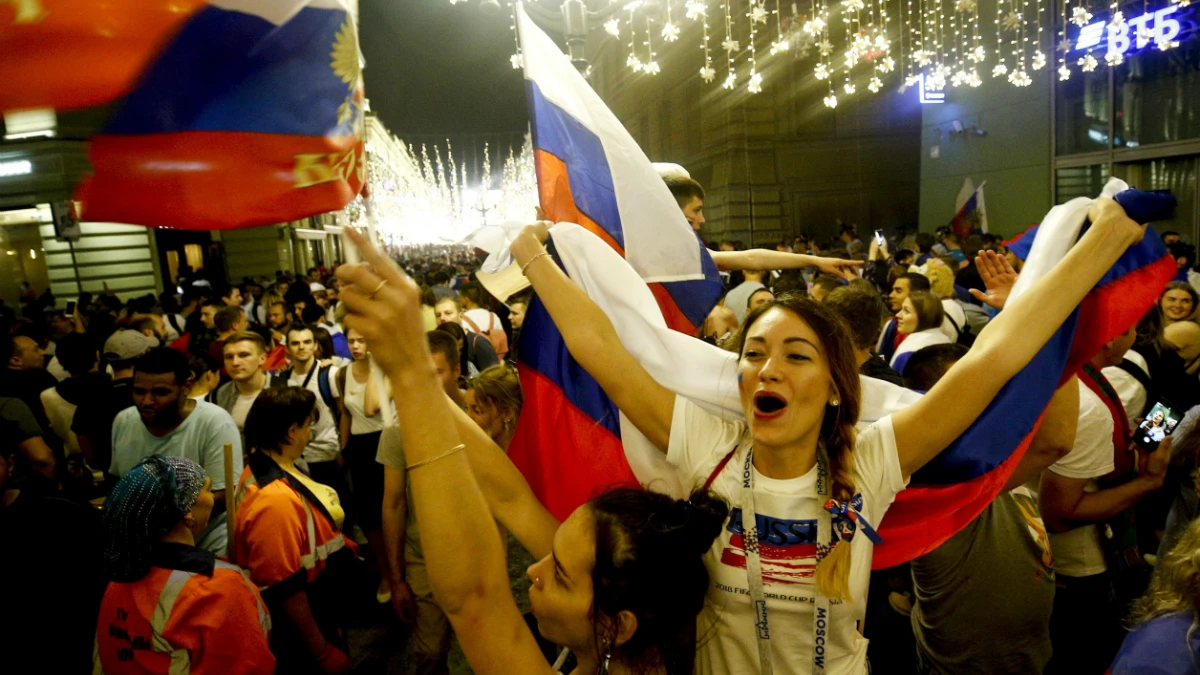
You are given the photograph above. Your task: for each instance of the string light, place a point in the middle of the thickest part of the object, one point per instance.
(632, 60)
(1001, 68)
(1064, 46)
(670, 31)
(730, 46)
(651, 65)
(697, 10)
(756, 15)
(516, 59)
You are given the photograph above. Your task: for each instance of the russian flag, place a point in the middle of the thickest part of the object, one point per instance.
(571, 441)
(971, 217)
(240, 112)
(949, 492)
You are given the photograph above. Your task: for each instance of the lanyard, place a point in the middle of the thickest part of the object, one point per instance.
(758, 598)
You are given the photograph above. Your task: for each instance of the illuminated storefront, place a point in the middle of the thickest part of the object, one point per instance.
(1136, 113)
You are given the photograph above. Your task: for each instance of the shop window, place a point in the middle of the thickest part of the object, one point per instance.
(1082, 110)
(1158, 96)
(1079, 181)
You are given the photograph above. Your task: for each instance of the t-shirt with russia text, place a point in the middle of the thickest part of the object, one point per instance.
(787, 521)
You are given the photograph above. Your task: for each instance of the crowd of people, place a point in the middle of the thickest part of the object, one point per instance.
(195, 482)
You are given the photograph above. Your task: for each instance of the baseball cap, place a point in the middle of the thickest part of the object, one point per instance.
(125, 345)
(316, 286)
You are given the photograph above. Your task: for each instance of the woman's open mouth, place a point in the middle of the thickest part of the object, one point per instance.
(768, 405)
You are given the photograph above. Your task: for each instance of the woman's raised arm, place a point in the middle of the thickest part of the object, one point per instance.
(1012, 339)
(593, 342)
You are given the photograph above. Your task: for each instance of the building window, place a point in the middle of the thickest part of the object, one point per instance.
(1177, 176)
(1158, 96)
(1082, 110)
(1079, 181)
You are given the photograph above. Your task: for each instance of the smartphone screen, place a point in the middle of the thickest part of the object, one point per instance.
(1160, 422)
(879, 237)
(70, 308)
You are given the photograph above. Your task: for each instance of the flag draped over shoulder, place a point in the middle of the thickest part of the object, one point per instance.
(232, 113)
(954, 488)
(571, 441)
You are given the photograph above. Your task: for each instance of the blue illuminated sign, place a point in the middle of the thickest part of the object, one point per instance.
(926, 95)
(1162, 29)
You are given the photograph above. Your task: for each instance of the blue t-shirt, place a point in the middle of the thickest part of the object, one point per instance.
(957, 254)
(1160, 646)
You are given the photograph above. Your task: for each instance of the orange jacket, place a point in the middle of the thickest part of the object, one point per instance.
(282, 533)
(191, 614)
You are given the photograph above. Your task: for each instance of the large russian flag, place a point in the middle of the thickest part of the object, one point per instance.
(949, 492)
(234, 113)
(571, 440)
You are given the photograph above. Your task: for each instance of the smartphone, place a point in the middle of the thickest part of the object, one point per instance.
(1160, 422)
(71, 308)
(879, 237)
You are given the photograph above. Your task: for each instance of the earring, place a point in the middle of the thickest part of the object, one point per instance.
(607, 655)
(835, 403)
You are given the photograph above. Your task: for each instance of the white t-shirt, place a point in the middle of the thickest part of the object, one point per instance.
(726, 627)
(324, 445)
(481, 317)
(955, 318)
(1077, 552)
(1131, 391)
(241, 408)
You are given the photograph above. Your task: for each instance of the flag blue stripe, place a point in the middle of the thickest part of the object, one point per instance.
(230, 71)
(1005, 423)
(565, 137)
(697, 298)
(542, 348)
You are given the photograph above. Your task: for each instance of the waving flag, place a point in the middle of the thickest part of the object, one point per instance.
(234, 113)
(571, 440)
(971, 217)
(949, 492)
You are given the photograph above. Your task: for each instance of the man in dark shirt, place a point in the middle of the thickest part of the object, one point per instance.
(862, 311)
(94, 417)
(26, 377)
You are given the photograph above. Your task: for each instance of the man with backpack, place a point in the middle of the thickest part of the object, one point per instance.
(482, 321)
(322, 453)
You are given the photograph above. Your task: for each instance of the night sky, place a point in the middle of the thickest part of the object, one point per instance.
(439, 69)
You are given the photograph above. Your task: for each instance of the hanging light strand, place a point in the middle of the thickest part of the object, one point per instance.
(730, 46)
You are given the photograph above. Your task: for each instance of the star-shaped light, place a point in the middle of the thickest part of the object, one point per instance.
(887, 64)
(911, 80)
(966, 6)
(634, 62)
(696, 9)
(613, 27)
(935, 82)
(708, 74)
(1020, 78)
(851, 58)
(758, 14)
(779, 46)
(1088, 63)
(814, 26)
(973, 79)
(730, 80)
(1117, 23)
(978, 54)
(921, 57)
(1065, 45)
(730, 45)
(831, 101)
(825, 47)
(1145, 36)
(854, 5)
(651, 68)
(1080, 16)
(1114, 58)
(670, 32)
(959, 78)
(517, 61)
(1000, 70)
(1064, 73)
(1038, 61)
(754, 86)
(1164, 45)
(1012, 21)
(875, 85)
(821, 71)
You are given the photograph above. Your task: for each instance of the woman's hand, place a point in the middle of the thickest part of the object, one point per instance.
(1109, 220)
(530, 242)
(384, 305)
(998, 276)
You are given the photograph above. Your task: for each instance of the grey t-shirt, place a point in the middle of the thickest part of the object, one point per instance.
(738, 298)
(201, 438)
(391, 455)
(993, 579)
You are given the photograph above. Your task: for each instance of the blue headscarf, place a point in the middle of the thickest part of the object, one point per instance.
(147, 503)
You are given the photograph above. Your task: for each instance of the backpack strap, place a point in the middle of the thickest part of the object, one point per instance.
(473, 326)
(1136, 372)
(720, 467)
(325, 389)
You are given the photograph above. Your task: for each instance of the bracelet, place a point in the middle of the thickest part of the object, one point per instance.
(431, 460)
(526, 265)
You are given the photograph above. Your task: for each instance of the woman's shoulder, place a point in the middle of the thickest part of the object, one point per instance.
(1160, 645)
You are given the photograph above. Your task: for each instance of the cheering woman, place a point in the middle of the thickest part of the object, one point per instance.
(790, 578)
(620, 583)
